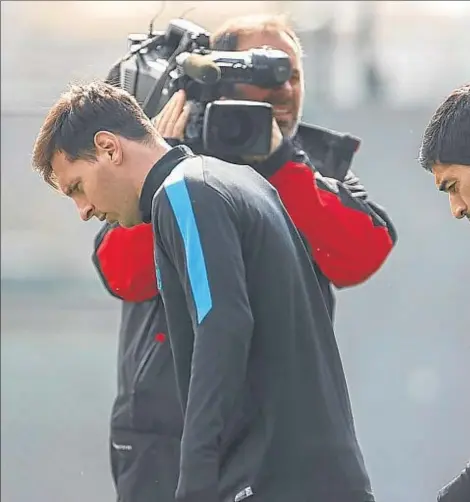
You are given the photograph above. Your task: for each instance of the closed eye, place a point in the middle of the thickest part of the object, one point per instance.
(447, 186)
(73, 189)
(452, 188)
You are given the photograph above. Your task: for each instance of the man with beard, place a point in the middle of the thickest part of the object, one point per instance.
(348, 236)
(445, 151)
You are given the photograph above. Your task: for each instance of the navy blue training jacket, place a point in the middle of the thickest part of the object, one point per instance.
(258, 372)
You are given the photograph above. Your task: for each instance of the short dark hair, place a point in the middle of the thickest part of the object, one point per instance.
(446, 139)
(82, 111)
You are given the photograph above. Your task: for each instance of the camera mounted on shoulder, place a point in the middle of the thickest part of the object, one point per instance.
(161, 63)
(158, 64)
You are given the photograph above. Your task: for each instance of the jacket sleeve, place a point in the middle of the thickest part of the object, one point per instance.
(198, 247)
(349, 236)
(124, 260)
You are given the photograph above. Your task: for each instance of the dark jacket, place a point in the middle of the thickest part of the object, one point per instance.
(349, 236)
(458, 490)
(264, 397)
(146, 412)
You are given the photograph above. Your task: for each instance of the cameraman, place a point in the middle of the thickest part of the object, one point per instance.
(348, 247)
(348, 236)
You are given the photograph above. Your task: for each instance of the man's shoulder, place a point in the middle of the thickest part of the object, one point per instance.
(196, 170)
(235, 181)
(188, 169)
(193, 175)
(238, 185)
(458, 490)
(175, 188)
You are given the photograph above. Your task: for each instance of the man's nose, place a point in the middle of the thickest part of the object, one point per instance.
(86, 212)
(459, 209)
(284, 89)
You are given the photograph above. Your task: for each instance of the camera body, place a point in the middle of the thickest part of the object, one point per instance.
(159, 64)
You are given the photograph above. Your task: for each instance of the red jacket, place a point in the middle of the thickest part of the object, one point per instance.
(348, 236)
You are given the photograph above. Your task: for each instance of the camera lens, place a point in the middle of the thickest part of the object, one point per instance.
(237, 128)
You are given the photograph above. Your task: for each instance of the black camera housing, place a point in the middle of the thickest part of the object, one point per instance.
(158, 65)
(151, 74)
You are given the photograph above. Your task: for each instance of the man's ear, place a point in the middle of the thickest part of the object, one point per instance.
(108, 144)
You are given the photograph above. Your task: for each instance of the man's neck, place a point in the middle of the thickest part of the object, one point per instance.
(147, 159)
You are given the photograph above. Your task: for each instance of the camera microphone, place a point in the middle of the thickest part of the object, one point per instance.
(262, 67)
(199, 68)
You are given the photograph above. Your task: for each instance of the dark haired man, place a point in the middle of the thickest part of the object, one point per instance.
(266, 411)
(445, 150)
(348, 236)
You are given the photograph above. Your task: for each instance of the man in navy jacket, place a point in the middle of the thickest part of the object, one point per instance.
(348, 236)
(266, 410)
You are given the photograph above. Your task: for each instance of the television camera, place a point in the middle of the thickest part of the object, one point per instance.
(160, 63)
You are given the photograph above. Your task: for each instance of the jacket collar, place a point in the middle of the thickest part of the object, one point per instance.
(157, 176)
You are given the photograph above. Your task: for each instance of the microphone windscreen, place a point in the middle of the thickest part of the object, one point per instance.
(201, 68)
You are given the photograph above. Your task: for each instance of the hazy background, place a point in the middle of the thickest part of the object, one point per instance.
(375, 69)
